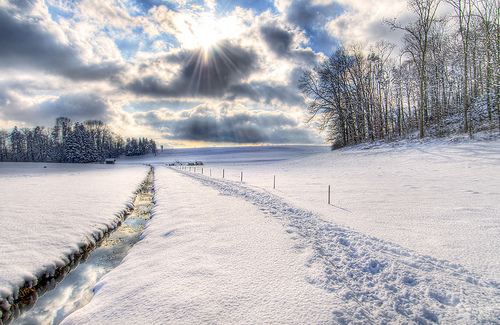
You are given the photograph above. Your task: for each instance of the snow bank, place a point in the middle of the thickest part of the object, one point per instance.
(207, 258)
(49, 211)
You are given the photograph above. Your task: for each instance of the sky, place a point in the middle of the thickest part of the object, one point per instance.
(185, 73)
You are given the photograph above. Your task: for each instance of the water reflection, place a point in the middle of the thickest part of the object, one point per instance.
(75, 290)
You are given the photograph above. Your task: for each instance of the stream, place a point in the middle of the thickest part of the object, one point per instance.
(75, 290)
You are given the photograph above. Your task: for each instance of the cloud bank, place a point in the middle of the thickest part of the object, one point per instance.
(213, 72)
(227, 123)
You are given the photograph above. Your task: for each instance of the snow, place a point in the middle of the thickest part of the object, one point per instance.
(76, 289)
(207, 258)
(412, 235)
(49, 211)
(440, 199)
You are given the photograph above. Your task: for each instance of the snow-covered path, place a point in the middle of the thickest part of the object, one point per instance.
(209, 258)
(220, 251)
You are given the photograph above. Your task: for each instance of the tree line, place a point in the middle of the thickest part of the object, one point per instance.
(90, 141)
(446, 78)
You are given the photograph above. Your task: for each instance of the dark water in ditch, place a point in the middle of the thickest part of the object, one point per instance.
(75, 290)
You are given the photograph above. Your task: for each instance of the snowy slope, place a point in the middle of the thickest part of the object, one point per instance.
(48, 213)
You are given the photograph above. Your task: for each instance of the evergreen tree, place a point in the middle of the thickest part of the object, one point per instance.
(18, 145)
(91, 141)
(4, 150)
(79, 146)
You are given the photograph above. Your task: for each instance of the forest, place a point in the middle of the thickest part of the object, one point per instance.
(90, 141)
(445, 79)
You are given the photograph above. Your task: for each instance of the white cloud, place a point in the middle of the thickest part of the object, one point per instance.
(107, 13)
(362, 22)
(194, 29)
(210, 4)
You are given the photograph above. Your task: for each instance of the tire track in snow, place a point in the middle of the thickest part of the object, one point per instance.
(376, 281)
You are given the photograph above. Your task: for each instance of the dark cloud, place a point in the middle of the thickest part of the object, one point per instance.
(277, 39)
(280, 41)
(220, 73)
(23, 4)
(201, 124)
(94, 72)
(78, 107)
(204, 73)
(305, 57)
(304, 13)
(10, 103)
(25, 43)
(263, 92)
(240, 128)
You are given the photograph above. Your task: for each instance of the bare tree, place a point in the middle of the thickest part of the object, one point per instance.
(488, 12)
(332, 96)
(417, 40)
(463, 12)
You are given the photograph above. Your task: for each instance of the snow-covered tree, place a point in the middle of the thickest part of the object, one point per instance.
(18, 145)
(79, 146)
(91, 141)
(447, 78)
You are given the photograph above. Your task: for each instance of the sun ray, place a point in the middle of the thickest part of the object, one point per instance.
(205, 29)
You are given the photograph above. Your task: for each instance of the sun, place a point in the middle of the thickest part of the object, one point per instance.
(205, 31)
(208, 34)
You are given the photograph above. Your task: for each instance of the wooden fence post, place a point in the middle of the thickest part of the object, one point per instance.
(329, 193)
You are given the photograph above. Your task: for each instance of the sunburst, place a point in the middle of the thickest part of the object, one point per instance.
(206, 30)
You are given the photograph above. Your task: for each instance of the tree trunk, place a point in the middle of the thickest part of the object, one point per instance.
(466, 94)
(421, 105)
(497, 88)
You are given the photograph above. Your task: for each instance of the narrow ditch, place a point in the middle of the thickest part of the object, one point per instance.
(53, 299)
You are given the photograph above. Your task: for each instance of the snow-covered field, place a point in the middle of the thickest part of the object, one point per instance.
(49, 211)
(440, 199)
(412, 235)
